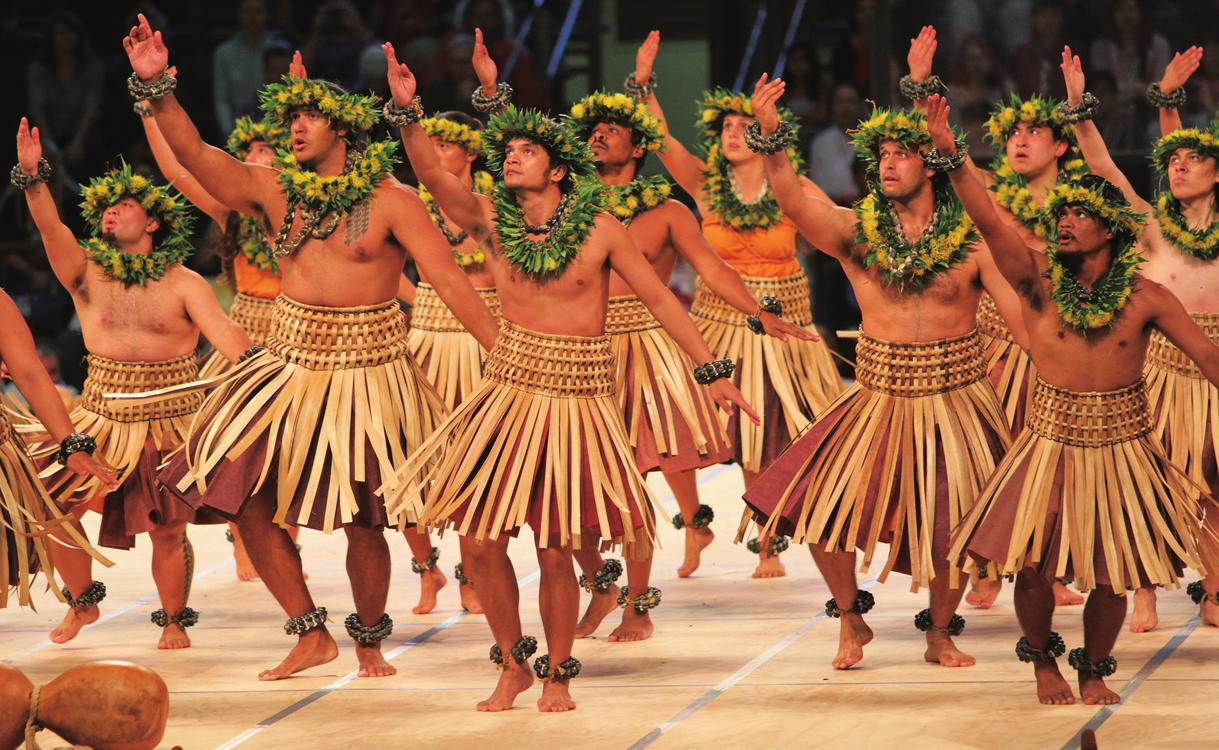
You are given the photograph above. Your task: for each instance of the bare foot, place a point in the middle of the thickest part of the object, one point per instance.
(634, 627)
(312, 649)
(1065, 597)
(941, 650)
(245, 568)
(1144, 617)
(984, 593)
(73, 621)
(603, 602)
(696, 541)
(372, 663)
(173, 636)
(430, 583)
(469, 599)
(1208, 613)
(853, 635)
(769, 567)
(555, 697)
(513, 680)
(1094, 693)
(1052, 689)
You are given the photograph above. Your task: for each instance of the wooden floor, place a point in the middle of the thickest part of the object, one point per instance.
(734, 663)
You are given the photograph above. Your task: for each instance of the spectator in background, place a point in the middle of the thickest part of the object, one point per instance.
(495, 19)
(65, 90)
(805, 95)
(1135, 55)
(237, 65)
(276, 59)
(1035, 65)
(339, 39)
(401, 21)
(832, 163)
(976, 76)
(453, 78)
(852, 59)
(1207, 81)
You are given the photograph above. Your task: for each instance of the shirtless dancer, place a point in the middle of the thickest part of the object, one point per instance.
(1087, 461)
(1039, 152)
(900, 456)
(1179, 249)
(788, 381)
(543, 441)
(141, 314)
(337, 350)
(670, 418)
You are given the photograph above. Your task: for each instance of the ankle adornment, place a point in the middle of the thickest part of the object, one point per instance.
(306, 622)
(369, 635)
(702, 519)
(1198, 593)
(1105, 668)
(459, 575)
(228, 536)
(864, 601)
(561, 673)
(90, 596)
(778, 544)
(1054, 649)
(183, 618)
(923, 622)
(611, 571)
(427, 564)
(649, 599)
(526, 647)
(981, 571)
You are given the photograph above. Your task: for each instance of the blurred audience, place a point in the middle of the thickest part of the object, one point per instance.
(338, 40)
(239, 65)
(65, 93)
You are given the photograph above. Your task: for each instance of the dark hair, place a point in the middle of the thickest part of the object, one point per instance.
(84, 49)
(1108, 190)
(275, 49)
(479, 164)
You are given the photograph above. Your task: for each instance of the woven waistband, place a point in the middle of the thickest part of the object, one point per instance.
(337, 338)
(113, 376)
(1090, 420)
(1165, 355)
(791, 290)
(628, 315)
(989, 320)
(6, 428)
(253, 314)
(431, 314)
(556, 366)
(922, 369)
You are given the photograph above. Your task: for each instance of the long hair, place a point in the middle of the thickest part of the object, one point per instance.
(83, 50)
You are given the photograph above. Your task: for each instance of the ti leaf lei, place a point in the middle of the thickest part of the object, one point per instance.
(1098, 306)
(944, 243)
(483, 183)
(1202, 243)
(131, 268)
(252, 241)
(1012, 192)
(625, 202)
(722, 199)
(578, 212)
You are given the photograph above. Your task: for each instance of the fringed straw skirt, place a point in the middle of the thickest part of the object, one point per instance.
(324, 415)
(1086, 493)
(787, 383)
(898, 459)
(131, 439)
(1009, 367)
(672, 421)
(543, 443)
(450, 356)
(253, 314)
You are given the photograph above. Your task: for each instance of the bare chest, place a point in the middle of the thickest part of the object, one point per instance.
(1194, 281)
(357, 263)
(1099, 359)
(944, 305)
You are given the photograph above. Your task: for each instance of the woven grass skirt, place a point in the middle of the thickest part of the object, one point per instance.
(448, 353)
(324, 415)
(787, 383)
(672, 421)
(541, 442)
(253, 314)
(898, 459)
(1086, 493)
(131, 439)
(1009, 367)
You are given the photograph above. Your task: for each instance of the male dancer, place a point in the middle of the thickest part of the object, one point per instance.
(141, 314)
(306, 430)
(900, 456)
(543, 441)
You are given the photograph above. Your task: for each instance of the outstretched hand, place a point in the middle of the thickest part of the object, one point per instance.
(402, 83)
(146, 51)
(781, 328)
(763, 103)
(297, 68)
(484, 66)
(728, 395)
(29, 147)
(1073, 74)
(82, 463)
(937, 125)
(922, 52)
(646, 57)
(1180, 69)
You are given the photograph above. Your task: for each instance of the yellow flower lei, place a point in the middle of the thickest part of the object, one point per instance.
(252, 241)
(625, 202)
(483, 183)
(451, 131)
(130, 268)
(169, 208)
(1202, 243)
(248, 130)
(341, 191)
(357, 112)
(944, 245)
(620, 108)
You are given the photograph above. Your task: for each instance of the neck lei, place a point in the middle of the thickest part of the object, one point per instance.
(944, 243)
(252, 241)
(1012, 192)
(1200, 243)
(128, 268)
(482, 185)
(569, 227)
(625, 202)
(723, 199)
(1100, 305)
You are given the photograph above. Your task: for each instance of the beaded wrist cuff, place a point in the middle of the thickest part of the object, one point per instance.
(408, 115)
(1085, 110)
(713, 371)
(75, 443)
(934, 161)
(491, 104)
(23, 181)
(768, 144)
(911, 89)
(639, 90)
(1160, 100)
(154, 89)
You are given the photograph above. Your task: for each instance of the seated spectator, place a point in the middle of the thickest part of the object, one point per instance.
(805, 95)
(1035, 64)
(975, 77)
(338, 40)
(494, 18)
(276, 59)
(65, 93)
(456, 80)
(832, 162)
(238, 64)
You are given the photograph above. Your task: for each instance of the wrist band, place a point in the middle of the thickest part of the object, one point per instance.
(934, 161)
(766, 304)
(912, 89)
(713, 371)
(25, 181)
(75, 443)
(639, 90)
(1160, 100)
(408, 115)
(142, 109)
(768, 144)
(491, 104)
(154, 89)
(1073, 113)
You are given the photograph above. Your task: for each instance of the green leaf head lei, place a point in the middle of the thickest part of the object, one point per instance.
(624, 110)
(564, 146)
(249, 130)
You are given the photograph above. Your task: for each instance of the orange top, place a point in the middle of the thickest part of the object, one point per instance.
(251, 281)
(763, 252)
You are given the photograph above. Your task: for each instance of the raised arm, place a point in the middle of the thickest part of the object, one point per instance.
(1007, 302)
(1180, 68)
(67, 259)
(686, 168)
(485, 68)
(183, 181)
(204, 309)
(920, 58)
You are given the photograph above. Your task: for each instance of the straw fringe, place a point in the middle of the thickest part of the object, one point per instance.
(1086, 474)
(1009, 367)
(253, 314)
(541, 441)
(450, 356)
(802, 374)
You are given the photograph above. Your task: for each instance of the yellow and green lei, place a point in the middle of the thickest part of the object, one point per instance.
(483, 184)
(130, 268)
(944, 244)
(625, 202)
(252, 241)
(338, 192)
(1202, 243)
(550, 256)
